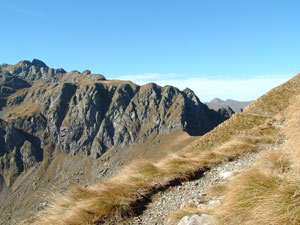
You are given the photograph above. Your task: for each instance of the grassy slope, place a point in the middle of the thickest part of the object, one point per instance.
(268, 193)
(121, 197)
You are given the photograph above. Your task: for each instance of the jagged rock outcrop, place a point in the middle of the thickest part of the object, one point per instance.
(18, 151)
(25, 73)
(225, 112)
(90, 119)
(77, 114)
(31, 71)
(2, 183)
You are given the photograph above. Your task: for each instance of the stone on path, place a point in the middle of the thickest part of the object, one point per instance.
(195, 219)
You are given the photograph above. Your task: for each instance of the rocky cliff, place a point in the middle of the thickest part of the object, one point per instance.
(45, 111)
(78, 115)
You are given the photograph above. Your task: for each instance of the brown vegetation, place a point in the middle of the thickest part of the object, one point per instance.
(268, 193)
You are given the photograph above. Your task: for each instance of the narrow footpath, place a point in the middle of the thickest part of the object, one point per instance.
(163, 203)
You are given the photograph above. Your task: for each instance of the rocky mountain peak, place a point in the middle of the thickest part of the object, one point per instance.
(38, 63)
(87, 116)
(31, 71)
(217, 100)
(86, 72)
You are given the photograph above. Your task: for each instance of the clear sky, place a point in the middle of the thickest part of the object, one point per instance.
(229, 49)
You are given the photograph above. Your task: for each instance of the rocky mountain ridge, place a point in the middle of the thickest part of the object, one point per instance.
(98, 115)
(44, 111)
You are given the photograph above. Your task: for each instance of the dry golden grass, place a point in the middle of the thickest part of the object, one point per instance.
(261, 197)
(165, 144)
(239, 124)
(217, 190)
(277, 99)
(269, 193)
(277, 162)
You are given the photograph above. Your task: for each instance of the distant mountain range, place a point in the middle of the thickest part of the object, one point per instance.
(236, 106)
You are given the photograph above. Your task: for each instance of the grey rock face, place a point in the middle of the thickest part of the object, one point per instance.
(2, 183)
(84, 114)
(9, 84)
(21, 76)
(196, 220)
(90, 118)
(30, 155)
(14, 82)
(18, 151)
(226, 112)
(32, 71)
(199, 118)
(10, 138)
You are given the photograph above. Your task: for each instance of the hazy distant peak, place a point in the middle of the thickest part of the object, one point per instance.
(236, 106)
(217, 100)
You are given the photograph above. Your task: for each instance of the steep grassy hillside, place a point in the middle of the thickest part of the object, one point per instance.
(259, 125)
(268, 193)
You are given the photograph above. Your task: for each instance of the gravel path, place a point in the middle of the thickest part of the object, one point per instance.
(191, 191)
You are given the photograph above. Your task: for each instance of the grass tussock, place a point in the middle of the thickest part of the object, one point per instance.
(217, 191)
(261, 197)
(278, 162)
(269, 193)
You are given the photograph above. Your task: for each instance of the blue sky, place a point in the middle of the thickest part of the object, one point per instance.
(249, 45)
